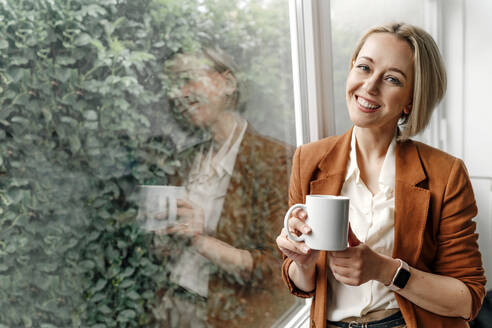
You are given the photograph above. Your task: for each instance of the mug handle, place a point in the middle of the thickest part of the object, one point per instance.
(286, 222)
(173, 209)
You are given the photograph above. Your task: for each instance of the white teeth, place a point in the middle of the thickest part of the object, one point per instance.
(366, 104)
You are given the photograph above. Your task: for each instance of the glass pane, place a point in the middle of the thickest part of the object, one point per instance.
(145, 152)
(349, 20)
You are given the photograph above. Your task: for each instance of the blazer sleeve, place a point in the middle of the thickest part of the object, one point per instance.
(458, 255)
(295, 197)
(270, 189)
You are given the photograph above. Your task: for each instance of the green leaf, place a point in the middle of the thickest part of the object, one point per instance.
(5, 282)
(101, 283)
(15, 196)
(126, 315)
(62, 60)
(98, 297)
(103, 308)
(140, 56)
(74, 143)
(62, 74)
(149, 295)
(19, 182)
(87, 265)
(95, 10)
(93, 236)
(4, 44)
(47, 114)
(90, 115)
(133, 295)
(82, 40)
(50, 306)
(48, 325)
(126, 273)
(18, 61)
(15, 73)
(127, 283)
(69, 120)
(48, 267)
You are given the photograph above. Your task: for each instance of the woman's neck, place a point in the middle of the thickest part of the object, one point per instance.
(371, 150)
(223, 127)
(373, 145)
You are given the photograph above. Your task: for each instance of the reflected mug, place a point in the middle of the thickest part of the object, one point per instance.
(328, 218)
(158, 206)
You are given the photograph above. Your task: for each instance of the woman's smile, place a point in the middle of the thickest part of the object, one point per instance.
(366, 105)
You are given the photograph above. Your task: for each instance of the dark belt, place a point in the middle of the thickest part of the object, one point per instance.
(393, 320)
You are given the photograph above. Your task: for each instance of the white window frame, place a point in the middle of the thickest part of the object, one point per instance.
(312, 69)
(436, 133)
(453, 38)
(310, 30)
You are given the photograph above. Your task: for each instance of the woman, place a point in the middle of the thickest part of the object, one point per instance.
(413, 259)
(235, 199)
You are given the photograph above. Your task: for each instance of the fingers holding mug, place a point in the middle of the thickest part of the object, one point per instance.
(290, 248)
(298, 221)
(294, 222)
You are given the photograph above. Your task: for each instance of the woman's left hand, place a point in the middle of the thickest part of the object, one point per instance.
(359, 263)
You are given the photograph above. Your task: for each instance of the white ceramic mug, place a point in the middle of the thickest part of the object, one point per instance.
(328, 218)
(158, 206)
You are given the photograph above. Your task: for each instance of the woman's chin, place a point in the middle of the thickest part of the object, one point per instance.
(361, 120)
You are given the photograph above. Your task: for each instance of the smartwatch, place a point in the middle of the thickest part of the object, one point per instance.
(401, 277)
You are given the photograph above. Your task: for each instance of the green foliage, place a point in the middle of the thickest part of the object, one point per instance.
(83, 120)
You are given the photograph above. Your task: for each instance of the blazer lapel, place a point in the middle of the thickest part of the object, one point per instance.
(332, 168)
(411, 203)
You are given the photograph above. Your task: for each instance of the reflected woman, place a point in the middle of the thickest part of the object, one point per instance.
(413, 259)
(236, 197)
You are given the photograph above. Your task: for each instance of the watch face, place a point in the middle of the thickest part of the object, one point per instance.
(401, 278)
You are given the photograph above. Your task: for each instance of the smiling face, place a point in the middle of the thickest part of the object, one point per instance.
(200, 92)
(204, 97)
(380, 83)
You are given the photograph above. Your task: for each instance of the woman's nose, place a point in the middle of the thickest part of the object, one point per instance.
(371, 84)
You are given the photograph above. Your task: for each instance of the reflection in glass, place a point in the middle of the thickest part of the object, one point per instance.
(92, 115)
(233, 205)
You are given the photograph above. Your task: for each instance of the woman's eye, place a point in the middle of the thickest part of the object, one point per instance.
(363, 67)
(393, 80)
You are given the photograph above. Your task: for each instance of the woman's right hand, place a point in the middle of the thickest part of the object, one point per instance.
(299, 252)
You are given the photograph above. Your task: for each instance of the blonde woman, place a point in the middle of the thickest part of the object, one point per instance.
(413, 259)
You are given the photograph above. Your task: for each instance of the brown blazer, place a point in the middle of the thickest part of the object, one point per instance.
(434, 231)
(251, 217)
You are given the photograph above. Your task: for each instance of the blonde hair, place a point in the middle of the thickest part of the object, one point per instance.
(429, 74)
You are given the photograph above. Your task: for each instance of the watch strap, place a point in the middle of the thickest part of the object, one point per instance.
(401, 277)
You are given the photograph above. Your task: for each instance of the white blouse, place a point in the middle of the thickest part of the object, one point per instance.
(207, 187)
(372, 220)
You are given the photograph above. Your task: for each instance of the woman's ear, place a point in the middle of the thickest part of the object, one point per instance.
(231, 83)
(407, 109)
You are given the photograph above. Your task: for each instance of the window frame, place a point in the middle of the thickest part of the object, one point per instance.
(310, 29)
(312, 69)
